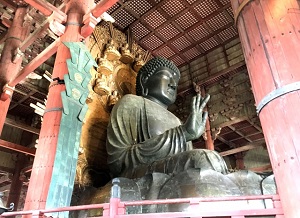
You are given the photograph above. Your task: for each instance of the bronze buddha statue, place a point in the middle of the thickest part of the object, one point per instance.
(144, 137)
(152, 149)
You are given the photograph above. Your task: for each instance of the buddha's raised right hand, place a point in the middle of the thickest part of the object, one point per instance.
(194, 126)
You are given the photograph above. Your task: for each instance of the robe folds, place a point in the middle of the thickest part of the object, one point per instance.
(141, 132)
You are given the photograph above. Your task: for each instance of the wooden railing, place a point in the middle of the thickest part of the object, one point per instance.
(117, 209)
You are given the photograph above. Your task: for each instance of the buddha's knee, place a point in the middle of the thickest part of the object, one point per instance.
(206, 160)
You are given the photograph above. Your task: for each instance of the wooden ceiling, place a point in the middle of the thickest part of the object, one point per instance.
(180, 30)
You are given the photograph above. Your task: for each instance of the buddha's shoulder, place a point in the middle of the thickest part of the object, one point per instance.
(130, 100)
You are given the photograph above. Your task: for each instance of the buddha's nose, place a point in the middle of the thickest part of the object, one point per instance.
(173, 84)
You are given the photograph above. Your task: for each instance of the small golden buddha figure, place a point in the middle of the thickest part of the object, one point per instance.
(139, 62)
(111, 53)
(105, 66)
(126, 55)
(113, 99)
(101, 86)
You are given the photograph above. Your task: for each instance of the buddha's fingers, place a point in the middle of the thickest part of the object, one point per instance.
(198, 101)
(193, 104)
(204, 102)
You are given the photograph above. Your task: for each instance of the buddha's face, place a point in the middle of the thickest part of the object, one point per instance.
(162, 86)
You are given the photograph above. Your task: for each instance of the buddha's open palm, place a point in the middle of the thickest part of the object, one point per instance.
(195, 123)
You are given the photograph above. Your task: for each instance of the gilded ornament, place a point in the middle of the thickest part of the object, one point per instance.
(139, 62)
(113, 99)
(126, 55)
(105, 66)
(101, 87)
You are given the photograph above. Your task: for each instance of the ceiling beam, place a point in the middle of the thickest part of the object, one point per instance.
(213, 77)
(231, 122)
(241, 149)
(45, 7)
(35, 88)
(5, 188)
(229, 143)
(260, 169)
(22, 126)
(102, 7)
(36, 62)
(5, 178)
(239, 133)
(35, 35)
(7, 169)
(23, 99)
(18, 148)
(27, 169)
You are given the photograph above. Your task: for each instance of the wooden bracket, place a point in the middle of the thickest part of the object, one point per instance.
(90, 23)
(7, 92)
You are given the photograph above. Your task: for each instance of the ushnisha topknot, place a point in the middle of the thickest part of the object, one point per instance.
(150, 68)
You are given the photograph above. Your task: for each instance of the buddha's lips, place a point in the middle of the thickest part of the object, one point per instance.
(171, 91)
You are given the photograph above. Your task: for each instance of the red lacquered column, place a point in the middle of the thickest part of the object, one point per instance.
(44, 159)
(270, 35)
(10, 63)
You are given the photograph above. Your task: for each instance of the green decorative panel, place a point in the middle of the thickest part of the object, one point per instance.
(74, 110)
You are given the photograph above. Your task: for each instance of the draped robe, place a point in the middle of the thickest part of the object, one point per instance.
(142, 132)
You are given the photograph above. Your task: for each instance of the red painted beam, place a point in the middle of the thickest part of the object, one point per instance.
(6, 22)
(18, 148)
(102, 7)
(36, 62)
(45, 8)
(33, 36)
(240, 149)
(91, 19)
(5, 100)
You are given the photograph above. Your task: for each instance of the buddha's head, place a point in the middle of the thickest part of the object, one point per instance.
(157, 80)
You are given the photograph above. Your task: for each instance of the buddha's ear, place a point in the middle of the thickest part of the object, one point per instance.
(143, 81)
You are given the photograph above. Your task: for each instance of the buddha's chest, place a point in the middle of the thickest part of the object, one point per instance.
(160, 120)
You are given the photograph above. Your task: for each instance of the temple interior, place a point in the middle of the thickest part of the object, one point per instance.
(206, 40)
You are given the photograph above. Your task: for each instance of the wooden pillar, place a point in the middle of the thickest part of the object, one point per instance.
(209, 142)
(17, 180)
(270, 35)
(4, 105)
(44, 160)
(11, 61)
(17, 183)
(239, 161)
